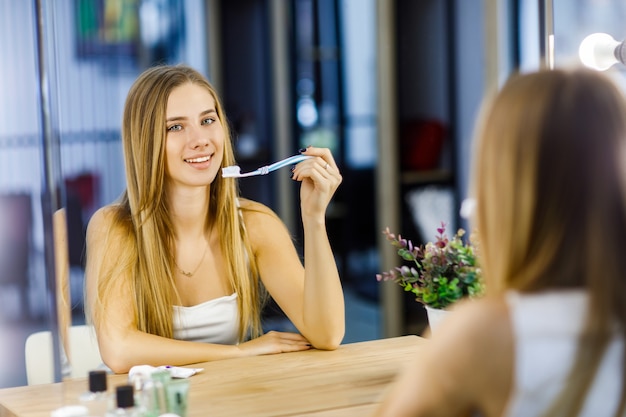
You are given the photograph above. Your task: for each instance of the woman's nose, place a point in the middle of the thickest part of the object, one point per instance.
(198, 139)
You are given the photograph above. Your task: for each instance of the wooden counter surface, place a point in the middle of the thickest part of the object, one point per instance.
(346, 382)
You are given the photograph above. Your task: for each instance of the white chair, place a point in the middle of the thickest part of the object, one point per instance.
(84, 352)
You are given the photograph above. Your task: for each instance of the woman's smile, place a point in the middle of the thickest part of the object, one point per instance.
(199, 162)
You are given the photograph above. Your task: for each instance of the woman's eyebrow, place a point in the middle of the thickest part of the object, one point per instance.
(176, 118)
(204, 113)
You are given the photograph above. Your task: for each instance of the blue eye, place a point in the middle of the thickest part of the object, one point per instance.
(174, 128)
(208, 121)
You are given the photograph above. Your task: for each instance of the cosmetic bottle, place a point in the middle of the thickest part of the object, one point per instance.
(96, 399)
(125, 400)
(154, 396)
(176, 394)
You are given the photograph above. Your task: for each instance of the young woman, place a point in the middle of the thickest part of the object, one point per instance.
(550, 188)
(178, 268)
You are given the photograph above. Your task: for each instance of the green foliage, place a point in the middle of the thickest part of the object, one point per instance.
(442, 272)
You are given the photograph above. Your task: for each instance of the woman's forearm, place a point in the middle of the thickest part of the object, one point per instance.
(122, 352)
(324, 312)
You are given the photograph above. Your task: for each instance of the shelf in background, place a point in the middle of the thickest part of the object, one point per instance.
(425, 177)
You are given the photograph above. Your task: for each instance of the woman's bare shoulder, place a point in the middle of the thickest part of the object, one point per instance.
(483, 329)
(262, 223)
(484, 322)
(258, 214)
(107, 220)
(251, 207)
(486, 308)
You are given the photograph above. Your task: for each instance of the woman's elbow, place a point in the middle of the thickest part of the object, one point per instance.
(118, 368)
(329, 341)
(327, 346)
(116, 360)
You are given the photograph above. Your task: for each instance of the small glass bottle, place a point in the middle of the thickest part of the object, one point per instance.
(125, 398)
(154, 397)
(96, 399)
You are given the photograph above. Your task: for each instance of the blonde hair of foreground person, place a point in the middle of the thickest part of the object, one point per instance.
(549, 180)
(131, 250)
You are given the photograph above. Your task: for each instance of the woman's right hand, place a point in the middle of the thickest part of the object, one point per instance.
(275, 342)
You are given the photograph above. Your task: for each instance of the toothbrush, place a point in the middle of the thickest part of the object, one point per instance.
(234, 171)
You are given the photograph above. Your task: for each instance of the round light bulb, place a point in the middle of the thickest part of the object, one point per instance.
(597, 51)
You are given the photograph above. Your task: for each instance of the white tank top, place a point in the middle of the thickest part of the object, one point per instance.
(214, 321)
(545, 331)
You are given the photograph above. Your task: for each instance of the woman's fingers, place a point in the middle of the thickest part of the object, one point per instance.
(275, 342)
(320, 178)
(286, 335)
(323, 165)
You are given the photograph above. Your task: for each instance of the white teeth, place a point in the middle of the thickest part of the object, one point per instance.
(203, 159)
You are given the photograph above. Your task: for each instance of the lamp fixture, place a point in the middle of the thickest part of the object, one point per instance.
(600, 51)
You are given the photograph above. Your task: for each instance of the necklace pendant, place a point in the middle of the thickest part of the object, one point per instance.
(191, 273)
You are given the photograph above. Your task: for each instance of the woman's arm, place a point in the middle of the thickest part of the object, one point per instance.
(324, 312)
(121, 344)
(466, 367)
(311, 297)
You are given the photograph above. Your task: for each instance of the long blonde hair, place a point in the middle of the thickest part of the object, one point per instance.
(143, 212)
(551, 202)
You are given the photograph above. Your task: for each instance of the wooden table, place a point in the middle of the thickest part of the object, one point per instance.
(346, 382)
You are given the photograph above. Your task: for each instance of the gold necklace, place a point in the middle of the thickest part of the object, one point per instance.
(190, 274)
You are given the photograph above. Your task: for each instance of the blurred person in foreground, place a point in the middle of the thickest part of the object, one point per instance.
(549, 183)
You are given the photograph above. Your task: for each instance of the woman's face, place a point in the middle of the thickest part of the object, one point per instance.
(195, 137)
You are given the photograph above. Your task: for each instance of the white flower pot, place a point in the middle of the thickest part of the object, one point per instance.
(435, 317)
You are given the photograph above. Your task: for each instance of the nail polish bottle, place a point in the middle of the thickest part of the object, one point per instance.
(125, 399)
(96, 399)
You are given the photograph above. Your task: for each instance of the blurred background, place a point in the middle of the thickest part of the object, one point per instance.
(393, 87)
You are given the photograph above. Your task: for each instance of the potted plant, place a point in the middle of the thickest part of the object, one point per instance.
(441, 272)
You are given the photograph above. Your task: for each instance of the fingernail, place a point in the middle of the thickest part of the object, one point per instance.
(293, 168)
(302, 150)
(291, 176)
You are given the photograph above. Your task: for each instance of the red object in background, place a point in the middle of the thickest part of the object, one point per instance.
(421, 142)
(80, 204)
(83, 187)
